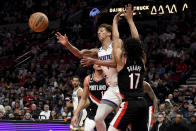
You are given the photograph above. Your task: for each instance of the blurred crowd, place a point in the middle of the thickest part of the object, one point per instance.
(41, 88)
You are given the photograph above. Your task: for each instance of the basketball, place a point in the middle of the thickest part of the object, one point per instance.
(38, 22)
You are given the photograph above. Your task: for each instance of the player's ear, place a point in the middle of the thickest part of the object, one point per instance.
(110, 34)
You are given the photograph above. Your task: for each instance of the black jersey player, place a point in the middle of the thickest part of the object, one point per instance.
(94, 87)
(131, 68)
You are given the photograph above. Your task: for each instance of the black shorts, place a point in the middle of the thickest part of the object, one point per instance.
(134, 112)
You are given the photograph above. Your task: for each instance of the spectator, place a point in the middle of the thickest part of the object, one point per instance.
(173, 112)
(194, 101)
(16, 107)
(8, 110)
(60, 117)
(184, 109)
(19, 115)
(2, 109)
(178, 124)
(53, 115)
(170, 97)
(40, 104)
(166, 116)
(6, 102)
(66, 113)
(28, 117)
(175, 95)
(181, 68)
(156, 81)
(161, 107)
(34, 111)
(189, 113)
(2, 97)
(160, 124)
(2, 115)
(151, 74)
(168, 105)
(160, 69)
(11, 116)
(192, 125)
(45, 113)
(59, 107)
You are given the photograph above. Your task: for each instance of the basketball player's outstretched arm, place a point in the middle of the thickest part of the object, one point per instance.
(78, 53)
(129, 17)
(117, 42)
(83, 102)
(151, 94)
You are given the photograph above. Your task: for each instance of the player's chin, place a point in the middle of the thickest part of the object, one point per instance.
(100, 38)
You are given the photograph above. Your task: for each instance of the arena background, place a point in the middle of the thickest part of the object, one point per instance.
(34, 69)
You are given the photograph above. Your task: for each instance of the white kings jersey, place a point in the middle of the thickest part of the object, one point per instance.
(110, 72)
(82, 115)
(75, 98)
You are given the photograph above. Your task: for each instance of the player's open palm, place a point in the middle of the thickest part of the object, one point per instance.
(74, 120)
(61, 39)
(128, 12)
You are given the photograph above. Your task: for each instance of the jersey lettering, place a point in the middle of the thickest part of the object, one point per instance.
(106, 57)
(132, 79)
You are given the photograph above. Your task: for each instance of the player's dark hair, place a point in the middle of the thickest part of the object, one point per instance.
(107, 27)
(75, 76)
(134, 49)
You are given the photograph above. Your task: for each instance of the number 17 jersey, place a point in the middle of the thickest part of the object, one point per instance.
(130, 79)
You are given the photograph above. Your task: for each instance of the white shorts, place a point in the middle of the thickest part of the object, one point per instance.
(81, 117)
(89, 125)
(80, 124)
(112, 97)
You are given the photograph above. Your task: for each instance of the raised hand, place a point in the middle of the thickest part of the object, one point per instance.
(128, 12)
(117, 16)
(62, 39)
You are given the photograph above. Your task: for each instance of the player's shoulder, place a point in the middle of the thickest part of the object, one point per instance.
(100, 49)
(87, 78)
(94, 49)
(79, 89)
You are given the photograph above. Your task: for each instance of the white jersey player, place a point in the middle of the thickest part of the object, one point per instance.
(111, 99)
(76, 96)
(111, 96)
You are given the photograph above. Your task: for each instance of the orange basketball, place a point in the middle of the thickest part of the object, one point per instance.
(38, 22)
